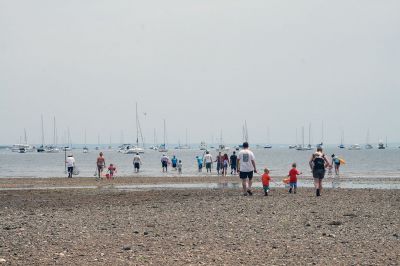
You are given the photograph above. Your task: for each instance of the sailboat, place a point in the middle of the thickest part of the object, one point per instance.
(68, 147)
(163, 147)
(154, 147)
(53, 148)
(368, 146)
(203, 146)
(41, 148)
(186, 146)
(293, 146)
(268, 146)
(221, 146)
(98, 143)
(302, 147)
(309, 147)
(22, 147)
(85, 148)
(321, 144)
(341, 146)
(137, 149)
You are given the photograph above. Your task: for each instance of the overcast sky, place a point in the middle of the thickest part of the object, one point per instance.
(205, 66)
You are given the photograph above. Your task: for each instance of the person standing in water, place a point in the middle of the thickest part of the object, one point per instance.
(70, 161)
(174, 161)
(137, 161)
(219, 160)
(336, 163)
(199, 163)
(101, 163)
(246, 166)
(318, 163)
(233, 163)
(164, 163)
(208, 161)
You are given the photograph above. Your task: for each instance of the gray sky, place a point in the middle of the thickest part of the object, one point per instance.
(203, 65)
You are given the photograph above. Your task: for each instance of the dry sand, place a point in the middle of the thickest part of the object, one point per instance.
(180, 227)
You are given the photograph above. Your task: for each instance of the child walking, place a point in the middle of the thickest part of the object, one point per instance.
(111, 170)
(179, 166)
(265, 181)
(293, 173)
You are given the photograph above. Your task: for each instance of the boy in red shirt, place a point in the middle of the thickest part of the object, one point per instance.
(111, 170)
(293, 173)
(265, 181)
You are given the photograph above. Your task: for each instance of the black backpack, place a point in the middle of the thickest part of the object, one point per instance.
(319, 163)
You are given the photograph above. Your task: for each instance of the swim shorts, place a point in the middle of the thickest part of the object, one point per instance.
(319, 173)
(137, 165)
(244, 175)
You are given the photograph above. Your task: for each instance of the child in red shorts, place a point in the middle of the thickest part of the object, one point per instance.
(265, 181)
(293, 173)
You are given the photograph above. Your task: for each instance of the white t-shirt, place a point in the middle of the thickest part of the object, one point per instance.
(136, 159)
(208, 158)
(70, 161)
(245, 157)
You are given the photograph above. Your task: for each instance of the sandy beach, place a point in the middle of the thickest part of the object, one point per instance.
(180, 227)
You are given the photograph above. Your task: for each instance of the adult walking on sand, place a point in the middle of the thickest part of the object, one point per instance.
(246, 166)
(70, 161)
(318, 163)
(101, 163)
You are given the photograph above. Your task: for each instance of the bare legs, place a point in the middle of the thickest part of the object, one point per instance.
(318, 186)
(246, 185)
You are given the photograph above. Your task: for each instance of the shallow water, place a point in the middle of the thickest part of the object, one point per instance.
(362, 163)
(335, 183)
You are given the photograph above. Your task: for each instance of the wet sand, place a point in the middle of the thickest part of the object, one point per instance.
(180, 227)
(170, 179)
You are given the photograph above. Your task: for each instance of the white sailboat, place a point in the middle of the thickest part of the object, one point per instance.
(85, 148)
(186, 146)
(221, 146)
(163, 147)
(154, 147)
(137, 149)
(368, 146)
(203, 146)
(53, 148)
(22, 147)
(321, 144)
(268, 146)
(293, 146)
(302, 147)
(355, 147)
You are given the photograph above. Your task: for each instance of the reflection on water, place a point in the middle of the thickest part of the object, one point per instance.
(335, 184)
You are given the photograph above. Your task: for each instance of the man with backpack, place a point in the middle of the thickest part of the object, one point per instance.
(318, 163)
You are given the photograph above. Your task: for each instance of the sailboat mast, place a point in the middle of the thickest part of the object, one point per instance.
(302, 135)
(26, 139)
(322, 133)
(165, 133)
(54, 132)
(137, 128)
(42, 132)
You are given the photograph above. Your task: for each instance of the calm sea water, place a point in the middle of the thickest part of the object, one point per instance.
(359, 163)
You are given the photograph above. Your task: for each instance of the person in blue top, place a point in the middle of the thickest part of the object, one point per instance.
(174, 162)
(200, 163)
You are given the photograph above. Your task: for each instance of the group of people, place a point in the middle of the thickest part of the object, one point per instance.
(243, 164)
